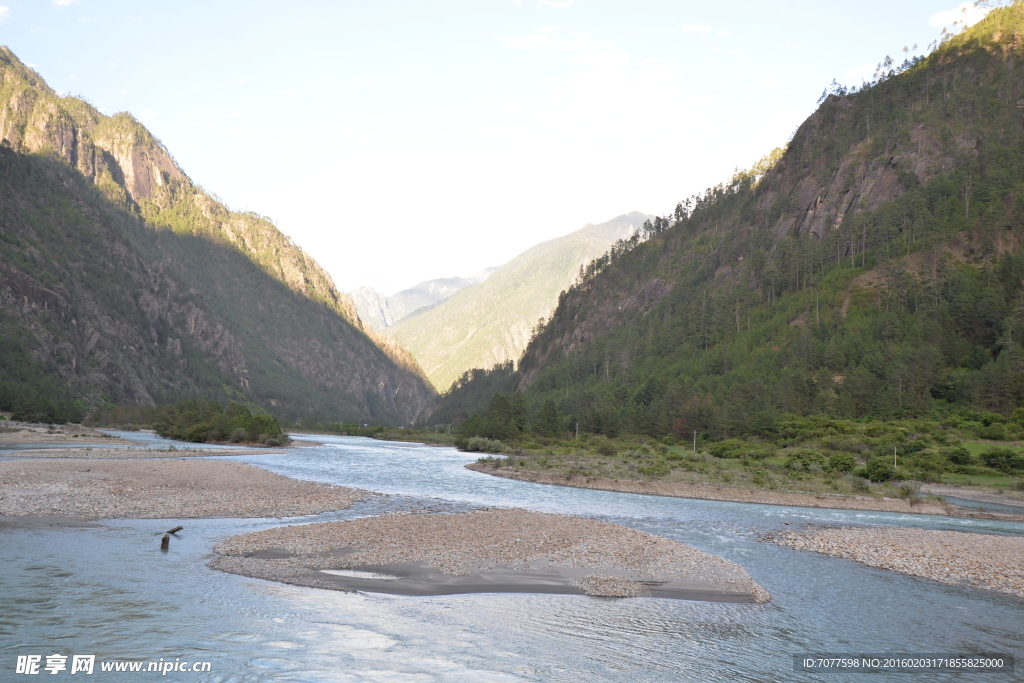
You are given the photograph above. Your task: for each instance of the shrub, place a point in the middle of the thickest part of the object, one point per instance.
(959, 456)
(842, 462)
(480, 444)
(915, 446)
(995, 432)
(237, 434)
(1003, 459)
(490, 461)
(657, 469)
(804, 459)
(879, 469)
(737, 448)
(909, 489)
(197, 433)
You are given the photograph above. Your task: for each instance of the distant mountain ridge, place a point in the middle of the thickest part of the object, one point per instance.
(122, 281)
(490, 323)
(381, 312)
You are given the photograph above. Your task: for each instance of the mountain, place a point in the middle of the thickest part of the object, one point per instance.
(875, 268)
(122, 281)
(381, 312)
(490, 323)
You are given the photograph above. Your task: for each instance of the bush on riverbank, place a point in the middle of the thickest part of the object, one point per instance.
(808, 452)
(207, 421)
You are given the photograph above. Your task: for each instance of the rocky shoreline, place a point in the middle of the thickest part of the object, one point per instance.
(91, 489)
(984, 561)
(486, 551)
(100, 453)
(738, 495)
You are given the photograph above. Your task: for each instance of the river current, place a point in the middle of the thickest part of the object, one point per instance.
(111, 593)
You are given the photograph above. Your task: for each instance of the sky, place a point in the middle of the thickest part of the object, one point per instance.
(398, 141)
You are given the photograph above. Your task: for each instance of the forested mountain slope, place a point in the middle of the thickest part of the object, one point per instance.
(874, 269)
(491, 322)
(122, 281)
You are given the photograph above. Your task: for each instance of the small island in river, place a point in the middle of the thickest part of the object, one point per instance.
(487, 551)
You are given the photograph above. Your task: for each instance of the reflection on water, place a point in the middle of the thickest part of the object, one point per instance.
(112, 593)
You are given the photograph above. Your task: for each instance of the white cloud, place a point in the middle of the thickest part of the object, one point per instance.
(967, 14)
(555, 4)
(546, 36)
(147, 114)
(65, 3)
(5, 13)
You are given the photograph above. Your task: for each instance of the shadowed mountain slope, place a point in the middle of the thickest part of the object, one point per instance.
(122, 281)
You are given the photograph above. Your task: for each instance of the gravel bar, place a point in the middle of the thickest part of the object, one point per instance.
(741, 495)
(158, 489)
(136, 453)
(487, 551)
(73, 435)
(981, 560)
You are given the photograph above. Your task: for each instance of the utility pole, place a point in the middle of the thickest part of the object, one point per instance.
(577, 431)
(894, 457)
(694, 440)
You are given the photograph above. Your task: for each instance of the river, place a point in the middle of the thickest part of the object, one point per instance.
(110, 592)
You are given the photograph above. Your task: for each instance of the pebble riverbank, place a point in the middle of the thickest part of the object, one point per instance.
(741, 495)
(981, 560)
(619, 562)
(100, 453)
(157, 489)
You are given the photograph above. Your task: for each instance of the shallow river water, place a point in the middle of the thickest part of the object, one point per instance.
(111, 593)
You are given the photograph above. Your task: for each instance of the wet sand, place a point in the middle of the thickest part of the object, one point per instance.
(89, 489)
(488, 551)
(38, 522)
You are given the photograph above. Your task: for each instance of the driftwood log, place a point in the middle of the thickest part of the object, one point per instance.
(165, 542)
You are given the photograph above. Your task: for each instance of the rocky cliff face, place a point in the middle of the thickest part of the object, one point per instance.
(132, 285)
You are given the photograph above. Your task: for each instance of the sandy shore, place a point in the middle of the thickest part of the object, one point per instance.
(738, 495)
(156, 489)
(488, 551)
(101, 453)
(953, 557)
(74, 435)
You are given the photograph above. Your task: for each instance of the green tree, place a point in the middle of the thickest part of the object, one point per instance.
(548, 421)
